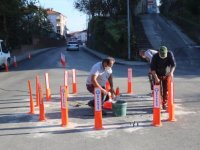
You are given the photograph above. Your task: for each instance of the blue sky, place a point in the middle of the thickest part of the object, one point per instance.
(76, 21)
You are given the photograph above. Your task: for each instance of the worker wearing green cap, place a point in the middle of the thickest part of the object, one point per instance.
(163, 66)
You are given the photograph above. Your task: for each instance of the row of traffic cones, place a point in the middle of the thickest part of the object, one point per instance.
(40, 99)
(130, 82)
(39, 95)
(14, 62)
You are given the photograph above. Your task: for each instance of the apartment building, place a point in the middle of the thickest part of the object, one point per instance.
(59, 22)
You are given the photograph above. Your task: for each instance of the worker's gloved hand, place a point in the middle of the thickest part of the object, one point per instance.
(104, 91)
(170, 74)
(112, 93)
(157, 80)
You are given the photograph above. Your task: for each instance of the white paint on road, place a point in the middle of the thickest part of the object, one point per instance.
(133, 129)
(37, 129)
(179, 110)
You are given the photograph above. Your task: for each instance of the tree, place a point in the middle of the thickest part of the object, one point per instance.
(104, 8)
(22, 19)
(193, 6)
(9, 14)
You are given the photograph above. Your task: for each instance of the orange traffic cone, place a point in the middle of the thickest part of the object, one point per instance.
(15, 62)
(62, 59)
(97, 109)
(156, 106)
(108, 104)
(37, 90)
(66, 82)
(41, 105)
(130, 89)
(31, 98)
(171, 100)
(48, 90)
(107, 86)
(64, 107)
(6, 66)
(117, 91)
(74, 87)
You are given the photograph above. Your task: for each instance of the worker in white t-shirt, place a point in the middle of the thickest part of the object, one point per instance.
(148, 55)
(99, 74)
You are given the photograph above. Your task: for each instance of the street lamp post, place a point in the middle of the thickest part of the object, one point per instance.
(129, 34)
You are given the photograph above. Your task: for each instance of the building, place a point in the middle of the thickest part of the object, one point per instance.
(59, 22)
(141, 7)
(147, 6)
(79, 36)
(152, 6)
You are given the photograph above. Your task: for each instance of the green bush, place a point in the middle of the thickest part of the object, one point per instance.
(108, 36)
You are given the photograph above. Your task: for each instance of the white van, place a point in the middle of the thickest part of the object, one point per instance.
(4, 54)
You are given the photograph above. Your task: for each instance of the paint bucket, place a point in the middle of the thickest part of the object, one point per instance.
(119, 108)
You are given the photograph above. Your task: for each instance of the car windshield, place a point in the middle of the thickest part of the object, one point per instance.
(72, 43)
(3, 47)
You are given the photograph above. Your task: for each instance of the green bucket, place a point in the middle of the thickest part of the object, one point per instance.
(119, 108)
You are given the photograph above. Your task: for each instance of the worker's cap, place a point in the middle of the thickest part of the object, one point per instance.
(163, 51)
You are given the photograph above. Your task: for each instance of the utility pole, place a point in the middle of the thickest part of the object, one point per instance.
(129, 31)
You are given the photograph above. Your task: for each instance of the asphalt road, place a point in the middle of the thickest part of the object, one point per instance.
(21, 131)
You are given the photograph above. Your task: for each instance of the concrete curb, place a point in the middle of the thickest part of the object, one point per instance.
(118, 60)
(24, 56)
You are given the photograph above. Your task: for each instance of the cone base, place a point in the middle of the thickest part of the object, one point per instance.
(43, 119)
(63, 125)
(172, 120)
(48, 94)
(31, 113)
(100, 128)
(157, 125)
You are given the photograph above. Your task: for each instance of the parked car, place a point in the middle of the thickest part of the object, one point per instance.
(4, 54)
(73, 46)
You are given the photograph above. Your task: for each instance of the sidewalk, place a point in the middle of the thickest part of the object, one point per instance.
(118, 60)
(86, 49)
(21, 57)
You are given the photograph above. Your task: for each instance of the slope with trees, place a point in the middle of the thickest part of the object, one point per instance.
(186, 13)
(107, 27)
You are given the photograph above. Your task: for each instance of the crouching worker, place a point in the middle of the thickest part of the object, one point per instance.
(99, 74)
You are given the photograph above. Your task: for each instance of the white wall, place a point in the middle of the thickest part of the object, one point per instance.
(81, 36)
(62, 23)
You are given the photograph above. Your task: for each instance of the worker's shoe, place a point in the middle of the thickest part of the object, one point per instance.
(164, 106)
(91, 103)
